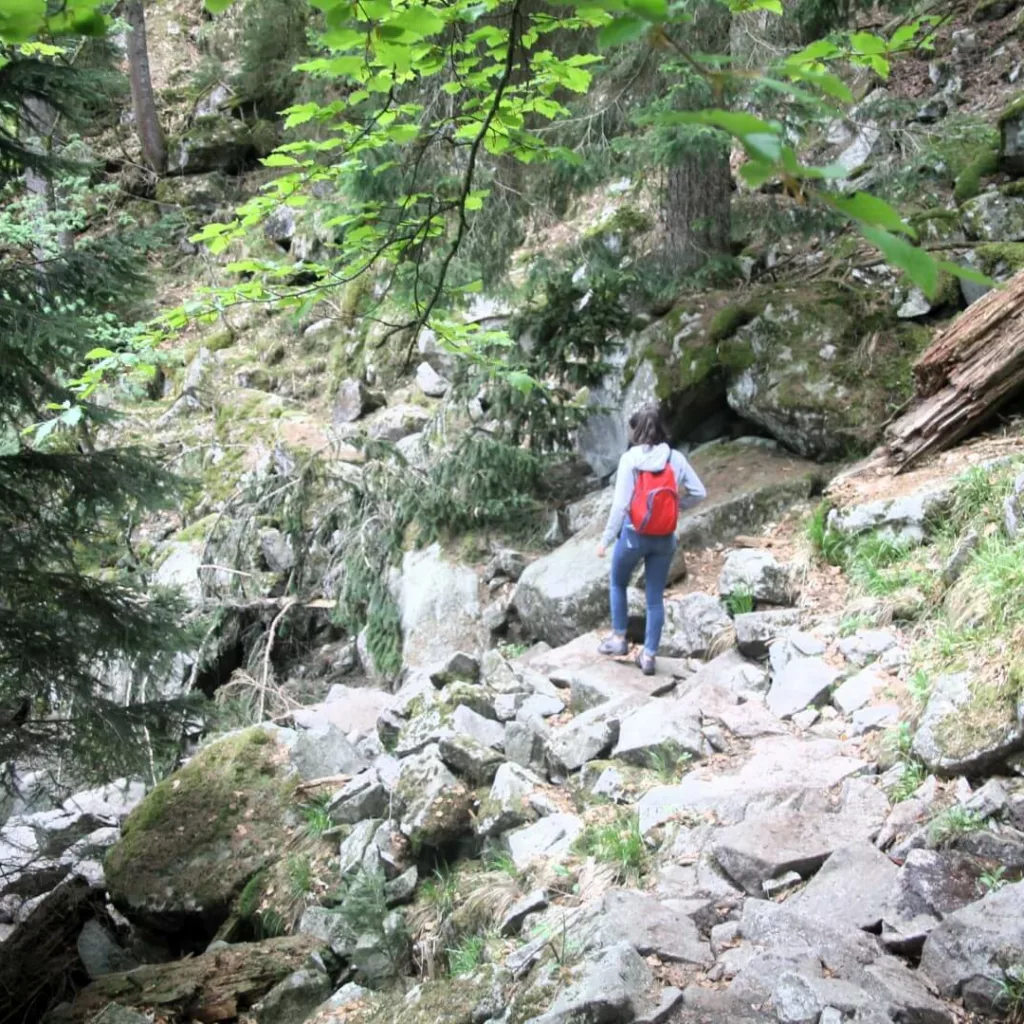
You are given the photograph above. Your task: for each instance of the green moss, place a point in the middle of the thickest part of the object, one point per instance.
(1007, 254)
(199, 530)
(968, 183)
(1012, 109)
(206, 830)
(728, 320)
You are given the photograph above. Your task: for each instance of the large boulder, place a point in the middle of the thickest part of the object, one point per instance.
(757, 573)
(434, 804)
(439, 603)
(696, 626)
(564, 593)
(797, 369)
(213, 143)
(970, 953)
(202, 833)
(994, 217)
(968, 724)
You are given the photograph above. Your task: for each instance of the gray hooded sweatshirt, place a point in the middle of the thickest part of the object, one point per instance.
(651, 458)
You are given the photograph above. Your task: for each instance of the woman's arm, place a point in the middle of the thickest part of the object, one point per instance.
(691, 490)
(620, 502)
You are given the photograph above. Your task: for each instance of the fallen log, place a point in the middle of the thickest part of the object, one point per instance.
(970, 369)
(215, 986)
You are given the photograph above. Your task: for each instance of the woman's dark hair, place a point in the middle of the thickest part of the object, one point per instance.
(647, 427)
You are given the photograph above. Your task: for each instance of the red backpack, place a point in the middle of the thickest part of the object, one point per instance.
(654, 510)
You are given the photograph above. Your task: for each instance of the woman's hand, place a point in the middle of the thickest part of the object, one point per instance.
(601, 550)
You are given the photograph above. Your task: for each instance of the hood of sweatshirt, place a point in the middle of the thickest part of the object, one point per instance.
(651, 459)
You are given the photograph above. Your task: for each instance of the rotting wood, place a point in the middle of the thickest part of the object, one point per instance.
(971, 368)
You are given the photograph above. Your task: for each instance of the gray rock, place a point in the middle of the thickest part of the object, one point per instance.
(505, 562)
(910, 517)
(434, 804)
(100, 953)
(696, 626)
(858, 690)
(795, 1000)
(295, 998)
(430, 382)
(881, 716)
(994, 217)
(330, 927)
(660, 730)
(758, 573)
(483, 730)
(380, 955)
(277, 551)
(916, 304)
(507, 804)
(961, 556)
(346, 995)
(850, 889)
(213, 142)
(365, 796)
(588, 736)
(549, 839)
(526, 743)
(470, 757)
(440, 608)
(930, 885)
(792, 645)
(325, 750)
(755, 631)
(354, 846)
(958, 734)
(614, 986)
(353, 401)
(971, 949)
(458, 667)
(1013, 513)
(403, 888)
(802, 682)
(732, 672)
(866, 645)
(564, 593)
(518, 912)
(989, 801)
(115, 1014)
(806, 718)
(800, 840)
(652, 927)
(397, 422)
(778, 767)
(540, 705)
(1011, 148)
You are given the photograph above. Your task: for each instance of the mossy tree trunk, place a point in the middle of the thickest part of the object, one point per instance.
(696, 189)
(147, 121)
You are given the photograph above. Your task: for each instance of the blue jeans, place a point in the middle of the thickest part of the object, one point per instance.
(656, 553)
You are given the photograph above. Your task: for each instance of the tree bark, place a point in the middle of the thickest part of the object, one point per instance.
(696, 193)
(968, 371)
(147, 122)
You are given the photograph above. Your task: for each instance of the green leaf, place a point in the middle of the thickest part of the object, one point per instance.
(279, 160)
(621, 30)
(521, 381)
(757, 172)
(653, 10)
(98, 353)
(867, 43)
(71, 417)
(968, 274)
(216, 6)
(918, 265)
(418, 21)
(869, 209)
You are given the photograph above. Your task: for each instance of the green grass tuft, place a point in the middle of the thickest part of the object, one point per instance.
(466, 956)
(739, 602)
(957, 821)
(617, 842)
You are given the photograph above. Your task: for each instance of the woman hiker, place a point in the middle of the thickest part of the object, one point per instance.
(654, 482)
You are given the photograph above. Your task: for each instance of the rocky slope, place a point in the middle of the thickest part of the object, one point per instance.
(784, 824)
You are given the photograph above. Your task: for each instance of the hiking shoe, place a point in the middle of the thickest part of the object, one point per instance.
(645, 662)
(614, 645)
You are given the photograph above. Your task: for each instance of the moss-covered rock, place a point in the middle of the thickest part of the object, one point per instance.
(213, 143)
(188, 850)
(994, 217)
(820, 369)
(1011, 136)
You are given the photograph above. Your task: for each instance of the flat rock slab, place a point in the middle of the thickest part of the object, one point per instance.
(858, 690)
(801, 840)
(731, 671)
(662, 728)
(778, 766)
(802, 682)
(851, 888)
(653, 928)
(968, 951)
(348, 708)
(593, 678)
(549, 839)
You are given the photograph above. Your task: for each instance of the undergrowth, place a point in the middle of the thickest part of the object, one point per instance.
(617, 842)
(956, 821)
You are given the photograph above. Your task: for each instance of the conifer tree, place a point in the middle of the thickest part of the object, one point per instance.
(68, 605)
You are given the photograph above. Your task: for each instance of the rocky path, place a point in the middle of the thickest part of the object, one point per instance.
(754, 834)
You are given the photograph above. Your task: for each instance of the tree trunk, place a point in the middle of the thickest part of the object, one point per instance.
(147, 122)
(39, 122)
(963, 377)
(696, 193)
